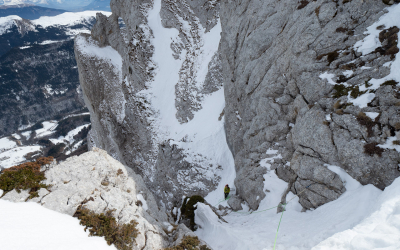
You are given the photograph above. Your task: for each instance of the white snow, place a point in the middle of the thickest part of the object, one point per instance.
(301, 231)
(68, 18)
(328, 77)
(6, 144)
(15, 156)
(27, 134)
(144, 203)
(16, 136)
(372, 115)
(48, 129)
(381, 230)
(69, 138)
(7, 23)
(370, 43)
(363, 100)
(348, 73)
(31, 226)
(328, 117)
(50, 42)
(389, 144)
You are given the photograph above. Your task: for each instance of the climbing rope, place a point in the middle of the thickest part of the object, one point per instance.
(284, 206)
(276, 236)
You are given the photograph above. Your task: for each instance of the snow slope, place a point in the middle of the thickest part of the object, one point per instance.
(31, 226)
(361, 216)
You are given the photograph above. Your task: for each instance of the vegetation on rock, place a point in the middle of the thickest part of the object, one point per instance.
(189, 243)
(188, 208)
(364, 120)
(25, 176)
(342, 90)
(371, 149)
(122, 236)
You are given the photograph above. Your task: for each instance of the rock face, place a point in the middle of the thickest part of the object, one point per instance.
(273, 54)
(100, 183)
(292, 76)
(124, 120)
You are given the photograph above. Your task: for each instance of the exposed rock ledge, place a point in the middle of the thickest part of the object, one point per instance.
(102, 183)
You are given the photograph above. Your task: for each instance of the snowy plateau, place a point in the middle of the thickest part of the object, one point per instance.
(294, 104)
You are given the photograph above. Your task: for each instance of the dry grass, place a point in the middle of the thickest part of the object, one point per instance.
(25, 176)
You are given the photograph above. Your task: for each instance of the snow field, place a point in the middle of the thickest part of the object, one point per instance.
(29, 226)
(68, 18)
(16, 155)
(6, 144)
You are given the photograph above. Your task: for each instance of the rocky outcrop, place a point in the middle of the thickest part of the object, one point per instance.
(100, 183)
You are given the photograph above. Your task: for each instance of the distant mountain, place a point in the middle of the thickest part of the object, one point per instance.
(28, 11)
(57, 4)
(98, 5)
(38, 71)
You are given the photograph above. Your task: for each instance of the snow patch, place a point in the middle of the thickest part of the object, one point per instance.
(31, 226)
(348, 73)
(6, 144)
(372, 115)
(328, 77)
(15, 156)
(144, 203)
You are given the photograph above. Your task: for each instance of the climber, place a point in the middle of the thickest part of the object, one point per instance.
(226, 191)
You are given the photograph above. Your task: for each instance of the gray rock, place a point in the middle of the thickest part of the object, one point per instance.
(235, 203)
(311, 132)
(42, 193)
(14, 196)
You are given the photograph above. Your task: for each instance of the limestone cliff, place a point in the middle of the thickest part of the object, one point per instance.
(295, 81)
